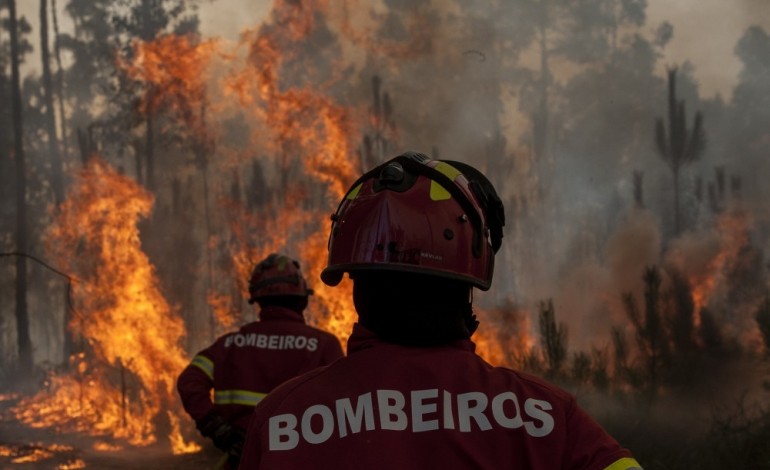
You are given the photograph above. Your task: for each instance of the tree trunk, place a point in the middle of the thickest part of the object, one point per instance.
(150, 154)
(677, 222)
(57, 178)
(59, 83)
(541, 119)
(22, 318)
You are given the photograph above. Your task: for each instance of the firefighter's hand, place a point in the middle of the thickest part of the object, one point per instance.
(235, 450)
(226, 437)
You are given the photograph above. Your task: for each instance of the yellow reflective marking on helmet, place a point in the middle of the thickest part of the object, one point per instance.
(204, 364)
(438, 192)
(237, 397)
(625, 464)
(354, 192)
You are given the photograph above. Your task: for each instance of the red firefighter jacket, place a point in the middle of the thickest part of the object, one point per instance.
(387, 406)
(242, 367)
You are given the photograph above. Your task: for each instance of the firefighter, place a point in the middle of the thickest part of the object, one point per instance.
(244, 366)
(416, 236)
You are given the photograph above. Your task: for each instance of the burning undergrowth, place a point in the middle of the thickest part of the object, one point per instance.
(122, 383)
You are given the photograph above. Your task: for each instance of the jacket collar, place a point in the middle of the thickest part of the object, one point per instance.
(363, 338)
(275, 313)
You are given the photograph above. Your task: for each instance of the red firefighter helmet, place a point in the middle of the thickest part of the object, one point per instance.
(277, 275)
(416, 214)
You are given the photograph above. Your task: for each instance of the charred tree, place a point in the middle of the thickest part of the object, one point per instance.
(580, 369)
(375, 143)
(623, 369)
(676, 144)
(149, 153)
(650, 328)
(59, 77)
(258, 193)
(57, 176)
(709, 332)
(682, 318)
(22, 316)
(554, 339)
(57, 172)
(600, 377)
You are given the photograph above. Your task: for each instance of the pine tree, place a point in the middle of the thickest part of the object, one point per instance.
(554, 339)
(678, 146)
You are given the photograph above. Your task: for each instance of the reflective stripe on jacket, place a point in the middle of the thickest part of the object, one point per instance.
(243, 366)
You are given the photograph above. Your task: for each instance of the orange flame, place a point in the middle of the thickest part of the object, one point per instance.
(503, 337)
(125, 380)
(706, 269)
(171, 67)
(305, 128)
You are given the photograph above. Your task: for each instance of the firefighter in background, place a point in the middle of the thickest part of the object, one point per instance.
(244, 366)
(416, 236)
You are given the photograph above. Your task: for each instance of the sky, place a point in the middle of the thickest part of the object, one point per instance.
(705, 31)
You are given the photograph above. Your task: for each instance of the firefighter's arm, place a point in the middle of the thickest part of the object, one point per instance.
(194, 386)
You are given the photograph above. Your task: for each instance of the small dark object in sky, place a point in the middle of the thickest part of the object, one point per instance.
(481, 55)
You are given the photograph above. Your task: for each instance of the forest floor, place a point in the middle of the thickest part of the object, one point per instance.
(26, 448)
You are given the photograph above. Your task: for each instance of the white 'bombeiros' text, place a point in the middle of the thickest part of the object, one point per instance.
(414, 411)
(271, 341)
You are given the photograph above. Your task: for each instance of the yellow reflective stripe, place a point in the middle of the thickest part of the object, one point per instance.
(354, 192)
(447, 169)
(204, 364)
(237, 397)
(438, 192)
(625, 464)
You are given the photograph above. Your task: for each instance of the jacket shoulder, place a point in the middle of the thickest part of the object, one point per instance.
(537, 383)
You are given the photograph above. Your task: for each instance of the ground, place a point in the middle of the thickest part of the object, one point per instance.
(25, 448)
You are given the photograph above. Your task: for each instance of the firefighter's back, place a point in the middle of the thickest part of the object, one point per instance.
(436, 407)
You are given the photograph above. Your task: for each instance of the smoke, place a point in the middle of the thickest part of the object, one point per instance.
(710, 49)
(464, 81)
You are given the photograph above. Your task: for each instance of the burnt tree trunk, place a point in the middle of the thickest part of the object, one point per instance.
(57, 172)
(59, 82)
(22, 318)
(150, 154)
(57, 177)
